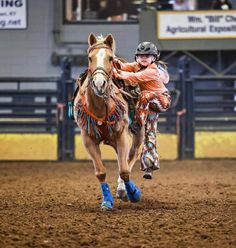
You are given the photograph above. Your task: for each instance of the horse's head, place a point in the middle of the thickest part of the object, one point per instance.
(100, 59)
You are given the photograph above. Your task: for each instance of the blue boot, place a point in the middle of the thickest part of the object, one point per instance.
(133, 192)
(107, 197)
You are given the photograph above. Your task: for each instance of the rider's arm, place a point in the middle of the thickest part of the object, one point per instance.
(127, 66)
(146, 75)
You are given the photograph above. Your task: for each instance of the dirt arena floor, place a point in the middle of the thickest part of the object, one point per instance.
(187, 204)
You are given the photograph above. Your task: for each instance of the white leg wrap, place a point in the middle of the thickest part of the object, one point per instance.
(121, 184)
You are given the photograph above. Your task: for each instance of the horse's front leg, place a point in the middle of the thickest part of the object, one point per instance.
(133, 192)
(94, 151)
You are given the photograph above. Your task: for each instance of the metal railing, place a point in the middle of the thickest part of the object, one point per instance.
(38, 105)
(207, 103)
(199, 103)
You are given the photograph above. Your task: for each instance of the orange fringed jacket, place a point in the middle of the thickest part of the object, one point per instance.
(152, 78)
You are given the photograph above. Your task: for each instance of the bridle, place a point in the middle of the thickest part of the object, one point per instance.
(99, 69)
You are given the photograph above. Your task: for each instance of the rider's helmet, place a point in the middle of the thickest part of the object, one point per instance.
(147, 47)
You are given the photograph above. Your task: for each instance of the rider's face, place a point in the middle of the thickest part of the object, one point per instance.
(145, 59)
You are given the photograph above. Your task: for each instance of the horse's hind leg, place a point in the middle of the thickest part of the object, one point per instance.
(133, 156)
(135, 149)
(100, 171)
(121, 191)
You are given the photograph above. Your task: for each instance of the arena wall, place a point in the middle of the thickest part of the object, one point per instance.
(215, 144)
(44, 146)
(167, 146)
(28, 147)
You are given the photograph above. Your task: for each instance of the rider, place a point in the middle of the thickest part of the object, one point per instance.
(151, 75)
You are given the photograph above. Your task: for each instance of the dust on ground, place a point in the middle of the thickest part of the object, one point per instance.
(187, 204)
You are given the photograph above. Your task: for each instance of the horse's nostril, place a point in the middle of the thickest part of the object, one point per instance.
(104, 82)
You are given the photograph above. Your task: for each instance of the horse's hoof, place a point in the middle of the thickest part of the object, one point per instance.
(107, 197)
(106, 205)
(122, 194)
(133, 192)
(135, 196)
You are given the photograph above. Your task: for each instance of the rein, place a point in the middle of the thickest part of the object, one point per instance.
(99, 70)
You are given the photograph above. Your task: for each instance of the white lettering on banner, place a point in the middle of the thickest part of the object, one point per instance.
(196, 24)
(13, 14)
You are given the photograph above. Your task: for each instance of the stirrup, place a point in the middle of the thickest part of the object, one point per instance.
(70, 110)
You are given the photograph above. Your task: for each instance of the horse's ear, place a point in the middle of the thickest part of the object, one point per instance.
(109, 40)
(92, 39)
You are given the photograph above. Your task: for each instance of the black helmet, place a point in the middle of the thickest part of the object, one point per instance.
(147, 47)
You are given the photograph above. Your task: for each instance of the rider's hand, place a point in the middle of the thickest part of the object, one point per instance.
(116, 73)
(116, 62)
(120, 74)
(124, 74)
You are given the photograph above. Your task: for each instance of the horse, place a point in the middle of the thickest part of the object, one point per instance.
(101, 112)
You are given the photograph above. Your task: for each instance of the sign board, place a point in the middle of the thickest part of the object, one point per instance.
(196, 25)
(13, 14)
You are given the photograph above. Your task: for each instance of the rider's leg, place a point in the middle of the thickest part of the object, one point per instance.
(149, 157)
(141, 112)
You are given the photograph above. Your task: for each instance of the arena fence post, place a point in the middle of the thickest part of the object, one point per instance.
(181, 107)
(66, 128)
(190, 130)
(185, 110)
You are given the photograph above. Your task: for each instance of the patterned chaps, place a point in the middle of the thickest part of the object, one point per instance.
(149, 107)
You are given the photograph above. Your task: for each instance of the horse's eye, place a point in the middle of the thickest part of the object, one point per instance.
(111, 59)
(90, 59)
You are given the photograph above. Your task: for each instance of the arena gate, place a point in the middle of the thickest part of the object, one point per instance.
(33, 120)
(208, 124)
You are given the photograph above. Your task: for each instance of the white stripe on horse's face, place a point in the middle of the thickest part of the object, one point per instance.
(99, 79)
(100, 57)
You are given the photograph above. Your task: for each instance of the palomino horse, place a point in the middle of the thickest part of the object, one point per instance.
(102, 114)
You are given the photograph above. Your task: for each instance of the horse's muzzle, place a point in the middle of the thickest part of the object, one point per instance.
(99, 88)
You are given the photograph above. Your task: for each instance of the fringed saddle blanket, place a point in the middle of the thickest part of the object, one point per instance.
(100, 127)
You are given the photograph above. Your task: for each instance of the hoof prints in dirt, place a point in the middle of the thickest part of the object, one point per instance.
(187, 204)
